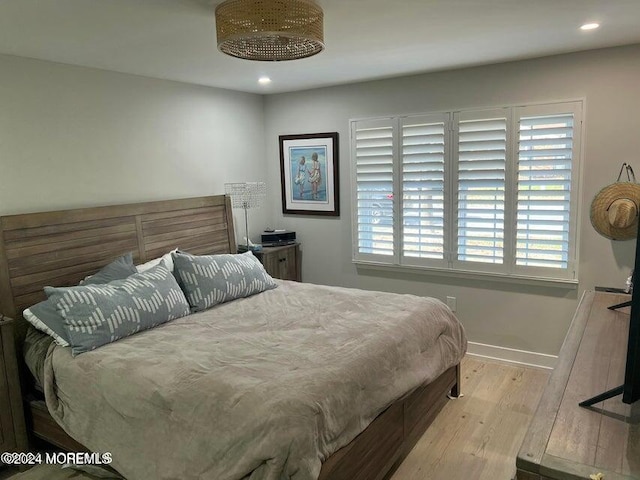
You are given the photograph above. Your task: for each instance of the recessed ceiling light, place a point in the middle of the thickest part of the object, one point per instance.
(589, 26)
(264, 80)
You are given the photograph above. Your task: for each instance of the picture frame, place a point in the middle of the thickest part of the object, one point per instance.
(309, 174)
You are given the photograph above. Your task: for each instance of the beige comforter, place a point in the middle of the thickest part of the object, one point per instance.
(260, 388)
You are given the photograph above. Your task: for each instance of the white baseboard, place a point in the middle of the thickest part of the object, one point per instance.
(511, 355)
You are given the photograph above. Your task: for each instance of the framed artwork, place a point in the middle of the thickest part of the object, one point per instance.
(309, 172)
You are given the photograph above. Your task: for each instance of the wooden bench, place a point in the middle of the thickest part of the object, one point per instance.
(568, 442)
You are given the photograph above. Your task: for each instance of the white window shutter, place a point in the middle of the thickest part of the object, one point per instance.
(423, 186)
(545, 170)
(481, 180)
(373, 143)
(489, 191)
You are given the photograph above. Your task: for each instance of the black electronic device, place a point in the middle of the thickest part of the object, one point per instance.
(277, 238)
(630, 389)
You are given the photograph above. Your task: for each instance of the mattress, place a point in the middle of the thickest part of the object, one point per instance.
(260, 388)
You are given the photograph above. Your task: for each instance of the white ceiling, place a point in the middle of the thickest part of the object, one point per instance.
(365, 39)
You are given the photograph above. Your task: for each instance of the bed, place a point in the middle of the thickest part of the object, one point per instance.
(365, 433)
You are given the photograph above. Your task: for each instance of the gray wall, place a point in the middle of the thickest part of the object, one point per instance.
(75, 137)
(503, 314)
(72, 136)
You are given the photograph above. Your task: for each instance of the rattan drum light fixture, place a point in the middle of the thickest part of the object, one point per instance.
(270, 30)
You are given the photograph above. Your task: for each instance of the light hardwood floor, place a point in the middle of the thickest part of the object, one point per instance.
(476, 437)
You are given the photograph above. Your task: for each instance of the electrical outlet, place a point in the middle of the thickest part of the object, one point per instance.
(451, 303)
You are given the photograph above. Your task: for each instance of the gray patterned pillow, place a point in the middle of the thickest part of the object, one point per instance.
(208, 280)
(46, 318)
(95, 315)
(118, 269)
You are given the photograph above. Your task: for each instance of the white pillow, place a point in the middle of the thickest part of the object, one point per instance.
(166, 258)
(34, 320)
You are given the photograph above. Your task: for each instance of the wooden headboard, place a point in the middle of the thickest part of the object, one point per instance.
(61, 248)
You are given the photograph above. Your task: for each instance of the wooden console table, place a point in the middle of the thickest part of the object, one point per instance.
(568, 442)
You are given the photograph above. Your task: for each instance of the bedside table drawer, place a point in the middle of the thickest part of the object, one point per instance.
(282, 262)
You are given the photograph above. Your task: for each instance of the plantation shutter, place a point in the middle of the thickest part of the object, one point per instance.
(481, 179)
(490, 191)
(546, 155)
(423, 156)
(374, 151)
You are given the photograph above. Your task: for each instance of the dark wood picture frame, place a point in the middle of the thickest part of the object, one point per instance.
(309, 174)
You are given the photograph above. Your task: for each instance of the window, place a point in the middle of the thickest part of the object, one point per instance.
(490, 191)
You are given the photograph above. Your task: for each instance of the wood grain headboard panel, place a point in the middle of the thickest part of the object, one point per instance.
(61, 248)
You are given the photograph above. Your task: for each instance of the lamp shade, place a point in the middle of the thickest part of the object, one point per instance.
(270, 30)
(246, 194)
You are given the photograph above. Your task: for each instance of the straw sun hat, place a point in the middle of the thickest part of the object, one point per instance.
(615, 209)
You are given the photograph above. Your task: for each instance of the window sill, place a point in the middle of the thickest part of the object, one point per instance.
(471, 275)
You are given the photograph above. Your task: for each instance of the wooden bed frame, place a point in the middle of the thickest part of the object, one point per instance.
(60, 248)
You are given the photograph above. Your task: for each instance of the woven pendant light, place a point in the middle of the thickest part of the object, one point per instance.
(270, 30)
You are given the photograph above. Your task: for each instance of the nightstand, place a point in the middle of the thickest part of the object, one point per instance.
(13, 434)
(283, 262)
